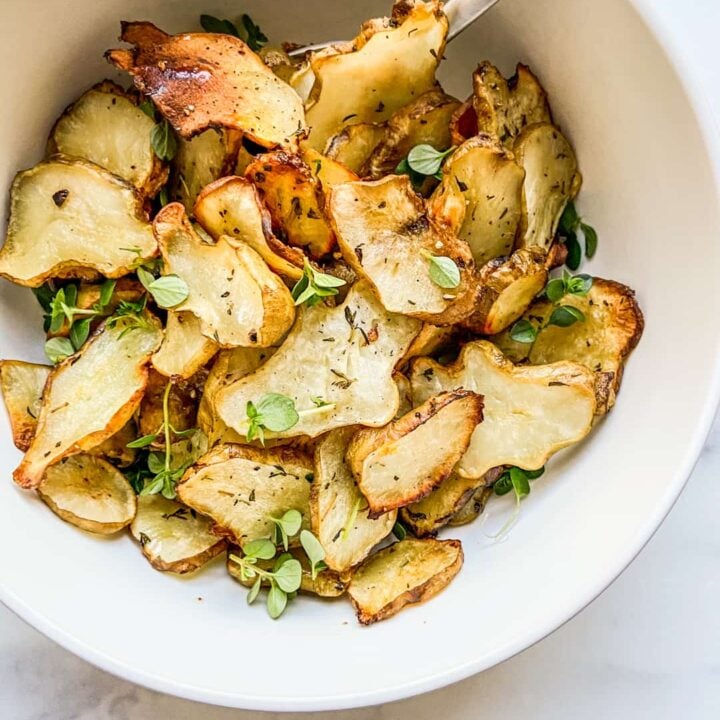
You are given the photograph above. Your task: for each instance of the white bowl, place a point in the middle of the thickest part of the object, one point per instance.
(651, 192)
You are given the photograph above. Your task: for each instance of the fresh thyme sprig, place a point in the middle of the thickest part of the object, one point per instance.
(523, 331)
(517, 479)
(251, 33)
(61, 309)
(422, 161)
(571, 224)
(314, 285)
(285, 577)
(159, 472)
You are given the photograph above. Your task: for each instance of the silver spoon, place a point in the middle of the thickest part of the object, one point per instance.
(460, 14)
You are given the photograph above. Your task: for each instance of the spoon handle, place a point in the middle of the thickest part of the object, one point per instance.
(460, 14)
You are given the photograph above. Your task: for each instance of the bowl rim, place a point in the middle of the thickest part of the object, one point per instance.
(704, 116)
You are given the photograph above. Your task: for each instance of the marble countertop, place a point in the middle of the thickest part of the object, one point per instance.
(649, 647)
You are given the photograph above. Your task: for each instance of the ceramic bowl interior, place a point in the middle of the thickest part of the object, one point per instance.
(650, 191)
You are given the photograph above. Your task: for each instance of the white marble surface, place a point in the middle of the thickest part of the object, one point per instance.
(649, 647)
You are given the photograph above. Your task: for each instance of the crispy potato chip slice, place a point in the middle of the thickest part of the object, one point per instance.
(343, 356)
(115, 448)
(173, 537)
(338, 509)
(231, 206)
(612, 328)
(403, 386)
(410, 571)
(530, 412)
(443, 504)
(229, 367)
(22, 386)
(90, 493)
(80, 408)
(354, 145)
(327, 583)
(70, 218)
(106, 127)
(506, 287)
(402, 462)
(429, 340)
(424, 121)
(184, 349)
(473, 508)
(201, 160)
(483, 179)
(241, 487)
(294, 198)
(551, 179)
(504, 107)
(385, 233)
(183, 399)
(390, 63)
(237, 298)
(205, 80)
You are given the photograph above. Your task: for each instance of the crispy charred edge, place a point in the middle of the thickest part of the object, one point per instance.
(417, 594)
(629, 314)
(368, 440)
(384, 157)
(497, 276)
(282, 162)
(186, 565)
(293, 255)
(122, 416)
(68, 269)
(160, 170)
(26, 435)
(418, 522)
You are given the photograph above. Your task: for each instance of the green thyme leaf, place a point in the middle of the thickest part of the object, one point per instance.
(426, 160)
(254, 591)
(579, 285)
(289, 575)
(555, 289)
(163, 140)
(503, 485)
(148, 107)
(262, 549)
(143, 441)
(106, 292)
(569, 219)
(565, 316)
(315, 285)
(276, 602)
(574, 251)
(287, 526)
(168, 290)
(520, 482)
(256, 38)
(79, 332)
(523, 331)
(443, 271)
(58, 348)
(591, 239)
(314, 551)
(273, 412)
(399, 531)
(211, 24)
